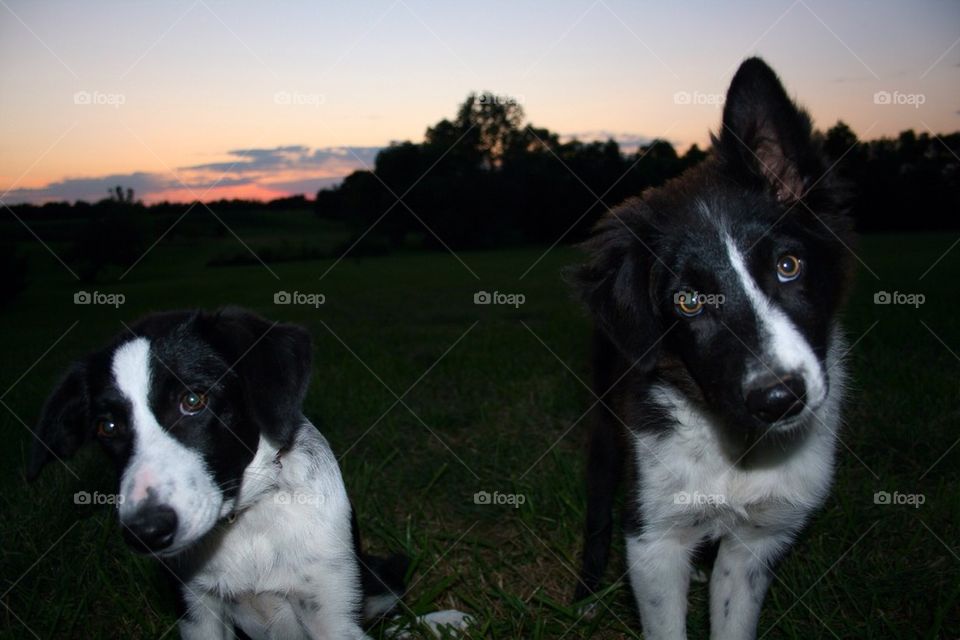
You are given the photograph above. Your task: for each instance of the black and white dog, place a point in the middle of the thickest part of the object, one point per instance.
(719, 362)
(222, 477)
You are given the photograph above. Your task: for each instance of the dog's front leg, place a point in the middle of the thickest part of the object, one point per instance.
(659, 568)
(205, 618)
(741, 575)
(327, 625)
(328, 611)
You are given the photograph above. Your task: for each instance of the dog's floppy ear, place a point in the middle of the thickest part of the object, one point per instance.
(64, 422)
(273, 361)
(766, 138)
(616, 282)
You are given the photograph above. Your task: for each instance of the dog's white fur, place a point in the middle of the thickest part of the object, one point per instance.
(690, 491)
(285, 568)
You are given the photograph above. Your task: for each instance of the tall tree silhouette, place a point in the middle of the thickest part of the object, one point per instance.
(491, 124)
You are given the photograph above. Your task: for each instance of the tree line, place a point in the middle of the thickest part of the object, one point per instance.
(486, 178)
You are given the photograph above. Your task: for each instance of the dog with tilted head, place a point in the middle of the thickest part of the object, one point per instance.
(222, 477)
(718, 363)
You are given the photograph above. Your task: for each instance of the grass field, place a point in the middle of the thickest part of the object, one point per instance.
(492, 400)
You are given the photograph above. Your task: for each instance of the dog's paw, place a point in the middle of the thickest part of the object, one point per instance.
(440, 624)
(449, 618)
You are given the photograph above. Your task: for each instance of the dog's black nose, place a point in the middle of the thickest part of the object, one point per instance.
(775, 399)
(151, 528)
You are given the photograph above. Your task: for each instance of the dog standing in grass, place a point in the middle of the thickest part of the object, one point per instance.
(719, 363)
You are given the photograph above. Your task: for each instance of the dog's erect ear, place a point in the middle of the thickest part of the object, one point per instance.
(64, 422)
(765, 137)
(616, 282)
(273, 361)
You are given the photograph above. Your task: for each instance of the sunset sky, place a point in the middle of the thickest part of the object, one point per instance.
(205, 99)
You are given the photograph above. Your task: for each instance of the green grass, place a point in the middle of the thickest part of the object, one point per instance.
(498, 412)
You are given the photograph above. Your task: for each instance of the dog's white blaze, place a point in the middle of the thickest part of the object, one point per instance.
(785, 349)
(160, 467)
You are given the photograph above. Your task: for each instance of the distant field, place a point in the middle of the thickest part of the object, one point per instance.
(498, 412)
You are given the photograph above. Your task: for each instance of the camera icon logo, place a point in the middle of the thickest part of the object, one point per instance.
(481, 497)
(81, 497)
(82, 297)
(282, 297)
(882, 297)
(482, 297)
(881, 497)
(682, 97)
(882, 97)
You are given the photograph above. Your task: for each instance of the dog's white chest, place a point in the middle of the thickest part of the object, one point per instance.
(687, 479)
(253, 554)
(292, 517)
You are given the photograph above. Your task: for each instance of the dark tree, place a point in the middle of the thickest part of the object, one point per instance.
(112, 234)
(14, 269)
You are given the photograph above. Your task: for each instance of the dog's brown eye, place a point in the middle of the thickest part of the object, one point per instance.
(689, 304)
(192, 403)
(107, 428)
(788, 268)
